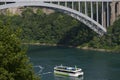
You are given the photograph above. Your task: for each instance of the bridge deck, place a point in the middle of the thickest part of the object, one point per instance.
(61, 0)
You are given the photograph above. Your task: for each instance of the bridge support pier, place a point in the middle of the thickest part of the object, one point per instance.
(103, 15)
(97, 12)
(79, 5)
(108, 15)
(91, 9)
(104, 18)
(86, 11)
(72, 5)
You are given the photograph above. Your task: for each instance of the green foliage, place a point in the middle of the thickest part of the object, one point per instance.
(27, 13)
(58, 28)
(14, 63)
(40, 12)
(109, 41)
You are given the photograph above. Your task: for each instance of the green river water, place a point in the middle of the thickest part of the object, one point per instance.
(96, 65)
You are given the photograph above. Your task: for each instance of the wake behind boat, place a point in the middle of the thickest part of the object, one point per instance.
(68, 71)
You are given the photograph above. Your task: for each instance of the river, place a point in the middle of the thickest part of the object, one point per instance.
(96, 65)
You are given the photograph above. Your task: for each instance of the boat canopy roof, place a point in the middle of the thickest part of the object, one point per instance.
(66, 68)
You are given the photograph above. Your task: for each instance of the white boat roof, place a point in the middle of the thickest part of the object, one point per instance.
(66, 68)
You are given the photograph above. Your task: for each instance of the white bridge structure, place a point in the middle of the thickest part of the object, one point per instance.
(96, 14)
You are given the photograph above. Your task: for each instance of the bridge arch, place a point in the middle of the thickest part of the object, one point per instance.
(76, 14)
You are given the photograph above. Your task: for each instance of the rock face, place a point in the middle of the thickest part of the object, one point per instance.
(15, 10)
(48, 11)
(118, 9)
(115, 11)
(19, 10)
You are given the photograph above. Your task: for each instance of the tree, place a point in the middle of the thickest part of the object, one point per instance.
(40, 12)
(14, 63)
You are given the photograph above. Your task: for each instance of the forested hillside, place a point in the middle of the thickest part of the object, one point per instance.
(14, 63)
(61, 29)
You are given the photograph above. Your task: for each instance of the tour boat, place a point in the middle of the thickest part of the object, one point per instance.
(68, 71)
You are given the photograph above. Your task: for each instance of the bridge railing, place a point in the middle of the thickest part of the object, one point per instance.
(61, 0)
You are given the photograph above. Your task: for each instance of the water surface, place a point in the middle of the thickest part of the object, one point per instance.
(96, 65)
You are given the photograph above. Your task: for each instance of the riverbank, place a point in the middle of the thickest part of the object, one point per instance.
(90, 48)
(78, 47)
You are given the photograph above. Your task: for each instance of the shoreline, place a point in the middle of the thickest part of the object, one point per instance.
(78, 47)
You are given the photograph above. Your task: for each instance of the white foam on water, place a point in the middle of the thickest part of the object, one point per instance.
(41, 69)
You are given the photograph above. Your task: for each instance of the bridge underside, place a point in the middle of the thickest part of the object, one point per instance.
(74, 13)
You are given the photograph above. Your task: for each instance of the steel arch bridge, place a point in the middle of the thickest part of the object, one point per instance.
(73, 8)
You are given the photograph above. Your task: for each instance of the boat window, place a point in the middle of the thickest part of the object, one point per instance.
(66, 71)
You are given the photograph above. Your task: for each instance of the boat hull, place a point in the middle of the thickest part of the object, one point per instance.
(68, 74)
